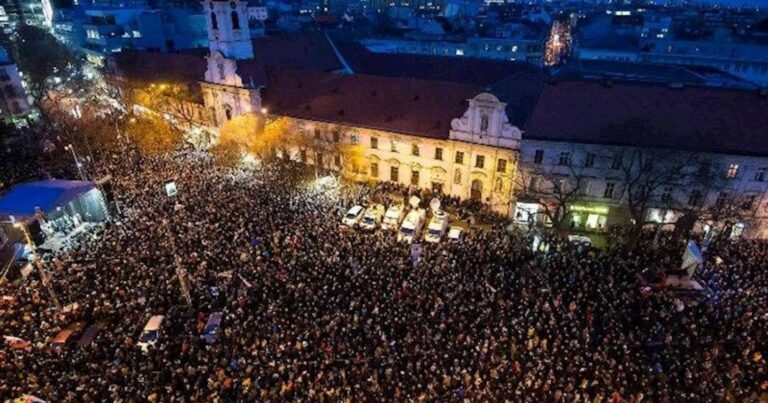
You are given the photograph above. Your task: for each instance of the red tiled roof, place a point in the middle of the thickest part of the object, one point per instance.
(408, 106)
(187, 67)
(302, 52)
(695, 119)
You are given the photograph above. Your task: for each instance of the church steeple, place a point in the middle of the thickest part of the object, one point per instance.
(228, 30)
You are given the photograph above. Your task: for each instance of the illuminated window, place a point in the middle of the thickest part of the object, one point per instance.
(733, 170)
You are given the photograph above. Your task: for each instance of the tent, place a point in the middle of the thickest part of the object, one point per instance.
(23, 199)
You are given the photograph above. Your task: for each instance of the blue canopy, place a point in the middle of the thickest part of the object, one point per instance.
(22, 199)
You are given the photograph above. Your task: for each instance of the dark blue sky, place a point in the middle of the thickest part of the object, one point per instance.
(761, 3)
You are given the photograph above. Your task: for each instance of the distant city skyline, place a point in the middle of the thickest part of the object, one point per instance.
(762, 3)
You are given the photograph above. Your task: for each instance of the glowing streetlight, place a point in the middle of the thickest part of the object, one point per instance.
(78, 164)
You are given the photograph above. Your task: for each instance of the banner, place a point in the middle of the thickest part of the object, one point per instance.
(691, 258)
(416, 253)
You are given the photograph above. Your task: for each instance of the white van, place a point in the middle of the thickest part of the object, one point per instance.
(151, 332)
(353, 216)
(393, 216)
(437, 226)
(372, 217)
(411, 226)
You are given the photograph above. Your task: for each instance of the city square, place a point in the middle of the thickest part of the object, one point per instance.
(343, 201)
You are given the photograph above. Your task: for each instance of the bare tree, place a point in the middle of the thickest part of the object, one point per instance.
(330, 146)
(553, 187)
(651, 178)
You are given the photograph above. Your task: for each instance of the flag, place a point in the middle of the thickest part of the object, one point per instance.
(415, 252)
(16, 343)
(247, 284)
(691, 258)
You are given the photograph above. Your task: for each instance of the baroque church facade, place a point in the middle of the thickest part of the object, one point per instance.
(471, 154)
(506, 134)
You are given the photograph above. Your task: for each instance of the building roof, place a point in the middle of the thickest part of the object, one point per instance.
(669, 74)
(420, 95)
(401, 105)
(473, 71)
(23, 199)
(691, 119)
(310, 51)
(180, 67)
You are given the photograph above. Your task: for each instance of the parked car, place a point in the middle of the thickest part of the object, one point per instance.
(456, 233)
(437, 227)
(411, 226)
(353, 216)
(372, 217)
(393, 217)
(151, 332)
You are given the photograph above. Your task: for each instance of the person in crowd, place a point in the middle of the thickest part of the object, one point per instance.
(313, 313)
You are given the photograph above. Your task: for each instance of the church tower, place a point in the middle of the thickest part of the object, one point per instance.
(228, 31)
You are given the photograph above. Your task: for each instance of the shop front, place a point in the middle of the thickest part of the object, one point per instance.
(526, 213)
(588, 217)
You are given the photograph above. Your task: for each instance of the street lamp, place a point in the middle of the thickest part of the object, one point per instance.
(78, 164)
(37, 262)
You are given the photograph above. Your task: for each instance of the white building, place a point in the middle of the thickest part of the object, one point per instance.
(15, 104)
(700, 151)
(447, 137)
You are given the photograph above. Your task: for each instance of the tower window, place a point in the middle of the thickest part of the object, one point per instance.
(235, 20)
(214, 22)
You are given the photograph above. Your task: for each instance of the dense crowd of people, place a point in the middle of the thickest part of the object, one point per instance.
(315, 312)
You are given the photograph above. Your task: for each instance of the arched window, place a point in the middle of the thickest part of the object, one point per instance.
(214, 22)
(235, 20)
(457, 177)
(484, 124)
(228, 112)
(499, 184)
(476, 193)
